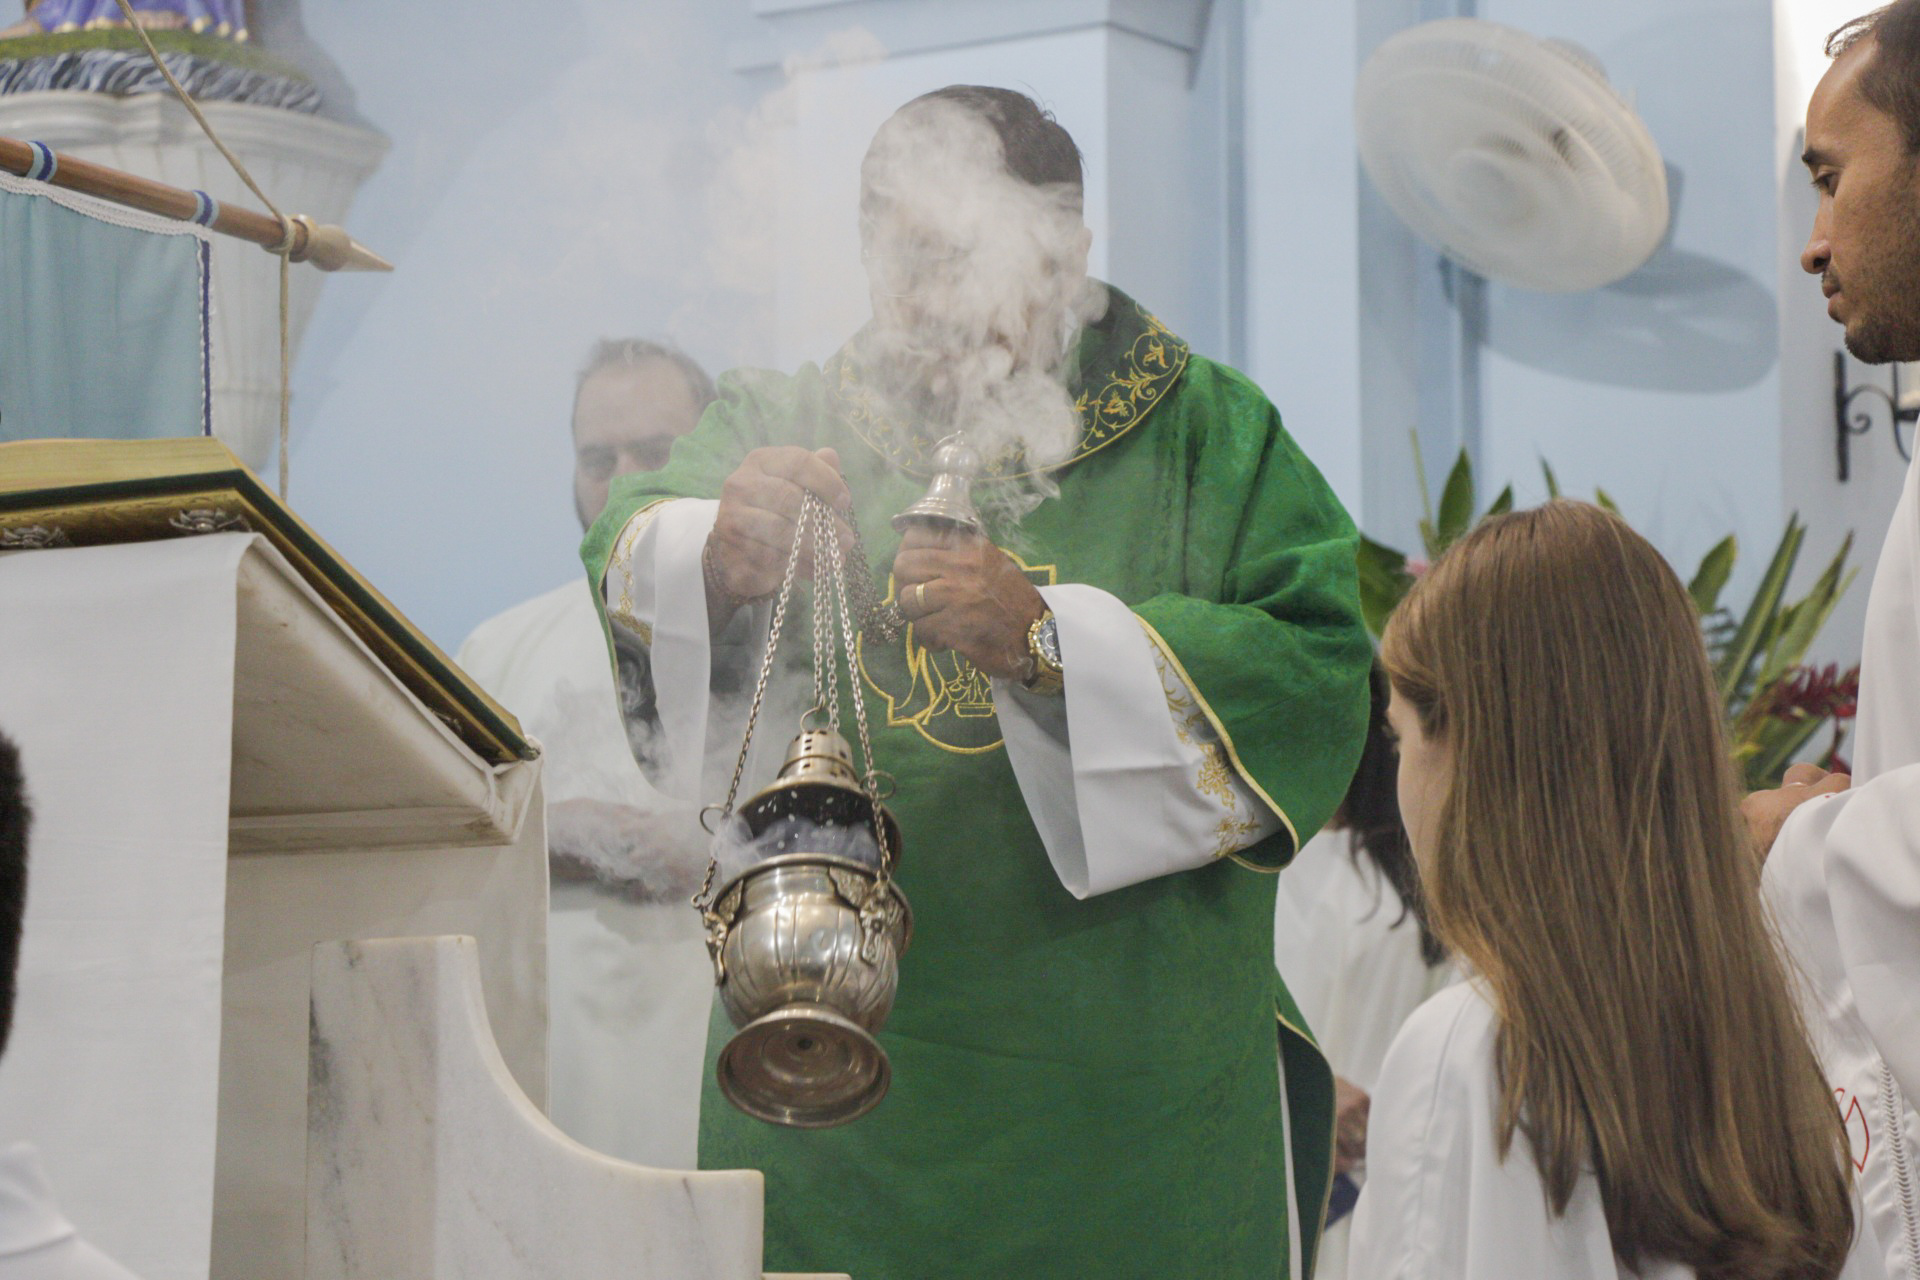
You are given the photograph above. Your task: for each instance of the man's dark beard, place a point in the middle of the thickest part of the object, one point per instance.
(1885, 341)
(1894, 332)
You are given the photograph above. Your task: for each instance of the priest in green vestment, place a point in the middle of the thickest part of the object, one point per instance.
(1110, 721)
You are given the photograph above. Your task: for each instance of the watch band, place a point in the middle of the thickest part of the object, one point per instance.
(1048, 674)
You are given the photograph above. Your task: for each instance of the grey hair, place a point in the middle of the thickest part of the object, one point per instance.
(631, 353)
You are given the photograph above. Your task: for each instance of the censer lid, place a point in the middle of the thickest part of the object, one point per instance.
(817, 783)
(949, 498)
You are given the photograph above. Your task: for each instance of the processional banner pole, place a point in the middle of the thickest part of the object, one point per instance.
(328, 247)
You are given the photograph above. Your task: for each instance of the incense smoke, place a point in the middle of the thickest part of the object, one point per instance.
(979, 285)
(738, 850)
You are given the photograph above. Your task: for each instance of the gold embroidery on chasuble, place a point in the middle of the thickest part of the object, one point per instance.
(943, 696)
(620, 572)
(1116, 387)
(1216, 778)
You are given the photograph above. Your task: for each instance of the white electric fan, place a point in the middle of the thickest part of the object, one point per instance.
(1511, 154)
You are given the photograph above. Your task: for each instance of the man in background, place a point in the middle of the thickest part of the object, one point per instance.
(629, 980)
(36, 1240)
(1843, 874)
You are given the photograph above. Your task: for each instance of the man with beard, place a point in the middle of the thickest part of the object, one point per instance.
(1844, 872)
(627, 975)
(1145, 685)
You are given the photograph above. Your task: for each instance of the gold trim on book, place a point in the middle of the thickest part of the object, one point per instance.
(100, 492)
(1226, 740)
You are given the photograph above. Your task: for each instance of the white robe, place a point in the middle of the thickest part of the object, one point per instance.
(1843, 880)
(36, 1240)
(1353, 965)
(629, 983)
(1440, 1203)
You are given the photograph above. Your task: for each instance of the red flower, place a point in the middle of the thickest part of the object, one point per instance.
(1812, 693)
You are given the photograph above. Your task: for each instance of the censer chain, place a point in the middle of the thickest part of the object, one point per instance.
(876, 907)
(816, 526)
(703, 900)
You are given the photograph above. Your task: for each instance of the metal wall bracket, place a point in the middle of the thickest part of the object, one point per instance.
(1849, 422)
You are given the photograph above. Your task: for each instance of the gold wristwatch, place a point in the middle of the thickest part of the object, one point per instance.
(1043, 653)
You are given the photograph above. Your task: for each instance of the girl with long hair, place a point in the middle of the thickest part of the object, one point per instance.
(1622, 1086)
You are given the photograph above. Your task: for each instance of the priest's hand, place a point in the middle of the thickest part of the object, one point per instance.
(1767, 811)
(745, 558)
(961, 592)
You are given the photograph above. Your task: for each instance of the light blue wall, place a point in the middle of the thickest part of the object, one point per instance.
(1664, 387)
(546, 188)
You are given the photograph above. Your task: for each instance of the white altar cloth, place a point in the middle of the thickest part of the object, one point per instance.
(113, 1066)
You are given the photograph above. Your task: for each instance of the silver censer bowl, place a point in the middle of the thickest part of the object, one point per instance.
(806, 946)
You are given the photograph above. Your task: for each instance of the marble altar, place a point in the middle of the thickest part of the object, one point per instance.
(426, 1161)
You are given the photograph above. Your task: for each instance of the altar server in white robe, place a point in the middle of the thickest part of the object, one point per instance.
(1621, 1087)
(1844, 872)
(628, 977)
(1349, 939)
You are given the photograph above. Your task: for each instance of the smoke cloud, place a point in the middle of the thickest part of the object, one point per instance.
(979, 285)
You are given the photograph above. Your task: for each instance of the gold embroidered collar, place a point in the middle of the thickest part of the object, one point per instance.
(1124, 365)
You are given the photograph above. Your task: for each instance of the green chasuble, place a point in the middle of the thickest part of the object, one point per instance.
(1080, 1088)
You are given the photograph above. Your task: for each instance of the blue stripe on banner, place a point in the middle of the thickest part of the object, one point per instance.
(45, 163)
(206, 331)
(205, 209)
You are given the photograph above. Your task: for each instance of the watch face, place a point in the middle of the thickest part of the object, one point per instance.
(1048, 640)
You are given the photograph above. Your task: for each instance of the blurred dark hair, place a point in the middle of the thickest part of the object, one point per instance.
(1891, 81)
(631, 353)
(1370, 814)
(15, 818)
(1039, 151)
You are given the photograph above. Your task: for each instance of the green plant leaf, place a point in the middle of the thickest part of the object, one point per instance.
(1605, 501)
(1502, 504)
(1762, 617)
(1456, 505)
(1774, 748)
(1553, 481)
(1800, 624)
(1384, 582)
(1710, 579)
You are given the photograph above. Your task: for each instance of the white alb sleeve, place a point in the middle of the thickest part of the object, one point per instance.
(1124, 777)
(655, 591)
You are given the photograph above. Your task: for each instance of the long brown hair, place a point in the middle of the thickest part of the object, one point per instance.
(1590, 864)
